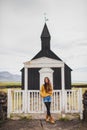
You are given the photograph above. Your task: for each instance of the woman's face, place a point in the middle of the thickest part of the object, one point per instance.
(46, 80)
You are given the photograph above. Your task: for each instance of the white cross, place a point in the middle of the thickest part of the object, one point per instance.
(45, 18)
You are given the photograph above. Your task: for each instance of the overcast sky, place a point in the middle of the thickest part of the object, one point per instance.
(21, 24)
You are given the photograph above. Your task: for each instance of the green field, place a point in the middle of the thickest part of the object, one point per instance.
(76, 86)
(4, 86)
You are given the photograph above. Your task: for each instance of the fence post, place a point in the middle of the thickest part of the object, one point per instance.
(63, 103)
(80, 104)
(28, 101)
(26, 90)
(25, 101)
(9, 103)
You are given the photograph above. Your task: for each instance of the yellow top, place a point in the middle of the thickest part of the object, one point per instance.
(43, 93)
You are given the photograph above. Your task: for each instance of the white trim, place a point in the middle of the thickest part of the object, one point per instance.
(45, 70)
(43, 62)
(25, 88)
(62, 78)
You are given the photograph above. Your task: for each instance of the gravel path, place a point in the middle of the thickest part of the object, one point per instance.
(37, 124)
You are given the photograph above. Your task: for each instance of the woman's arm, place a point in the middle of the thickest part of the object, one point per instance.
(41, 92)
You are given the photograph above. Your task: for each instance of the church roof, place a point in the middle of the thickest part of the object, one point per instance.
(45, 32)
(46, 53)
(45, 46)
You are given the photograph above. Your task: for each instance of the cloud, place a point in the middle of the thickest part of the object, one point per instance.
(74, 54)
(79, 75)
(21, 25)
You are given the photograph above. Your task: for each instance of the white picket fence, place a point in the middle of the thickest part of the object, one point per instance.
(67, 101)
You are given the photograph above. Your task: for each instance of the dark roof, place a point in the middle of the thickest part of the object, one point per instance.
(46, 53)
(45, 50)
(45, 32)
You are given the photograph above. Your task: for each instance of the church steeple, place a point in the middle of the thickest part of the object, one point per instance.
(45, 38)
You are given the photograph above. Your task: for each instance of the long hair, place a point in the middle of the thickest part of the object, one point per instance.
(47, 86)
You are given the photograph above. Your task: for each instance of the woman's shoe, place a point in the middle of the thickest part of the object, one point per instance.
(51, 120)
(47, 118)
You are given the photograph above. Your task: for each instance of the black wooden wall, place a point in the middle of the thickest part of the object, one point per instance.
(57, 78)
(34, 78)
(67, 77)
(22, 78)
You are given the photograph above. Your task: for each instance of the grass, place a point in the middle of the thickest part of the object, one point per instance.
(63, 119)
(21, 116)
(25, 117)
(83, 89)
(10, 84)
(4, 86)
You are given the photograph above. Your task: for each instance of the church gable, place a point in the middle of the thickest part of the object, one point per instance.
(43, 62)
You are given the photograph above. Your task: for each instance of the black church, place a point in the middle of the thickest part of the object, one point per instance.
(45, 64)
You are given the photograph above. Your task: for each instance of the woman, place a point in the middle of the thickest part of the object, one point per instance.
(46, 92)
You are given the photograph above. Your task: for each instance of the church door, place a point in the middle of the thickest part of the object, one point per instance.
(46, 72)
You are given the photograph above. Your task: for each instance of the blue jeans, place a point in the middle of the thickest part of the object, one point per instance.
(47, 99)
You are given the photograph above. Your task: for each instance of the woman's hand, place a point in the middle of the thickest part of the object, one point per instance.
(50, 92)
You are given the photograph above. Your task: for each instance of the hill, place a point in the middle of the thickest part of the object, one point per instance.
(7, 76)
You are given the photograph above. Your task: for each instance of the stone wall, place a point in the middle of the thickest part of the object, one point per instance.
(85, 106)
(3, 106)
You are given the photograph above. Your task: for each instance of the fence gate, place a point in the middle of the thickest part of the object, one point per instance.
(21, 101)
